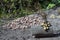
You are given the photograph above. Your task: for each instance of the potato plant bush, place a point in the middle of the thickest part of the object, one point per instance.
(19, 8)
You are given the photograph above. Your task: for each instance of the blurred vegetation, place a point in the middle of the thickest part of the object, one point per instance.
(19, 8)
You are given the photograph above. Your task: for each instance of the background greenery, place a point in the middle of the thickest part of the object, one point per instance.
(19, 8)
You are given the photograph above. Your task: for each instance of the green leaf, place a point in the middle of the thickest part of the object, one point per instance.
(58, 1)
(50, 6)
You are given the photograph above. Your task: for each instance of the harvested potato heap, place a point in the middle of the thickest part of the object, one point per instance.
(45, 24)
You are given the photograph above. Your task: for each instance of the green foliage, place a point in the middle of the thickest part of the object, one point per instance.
(18, 8)
(50, 6)
(58, 1)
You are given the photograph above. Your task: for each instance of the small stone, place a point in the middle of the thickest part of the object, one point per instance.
(52, 16)
(58, 16)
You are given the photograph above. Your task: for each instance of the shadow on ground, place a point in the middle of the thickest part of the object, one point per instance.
(45, 35)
